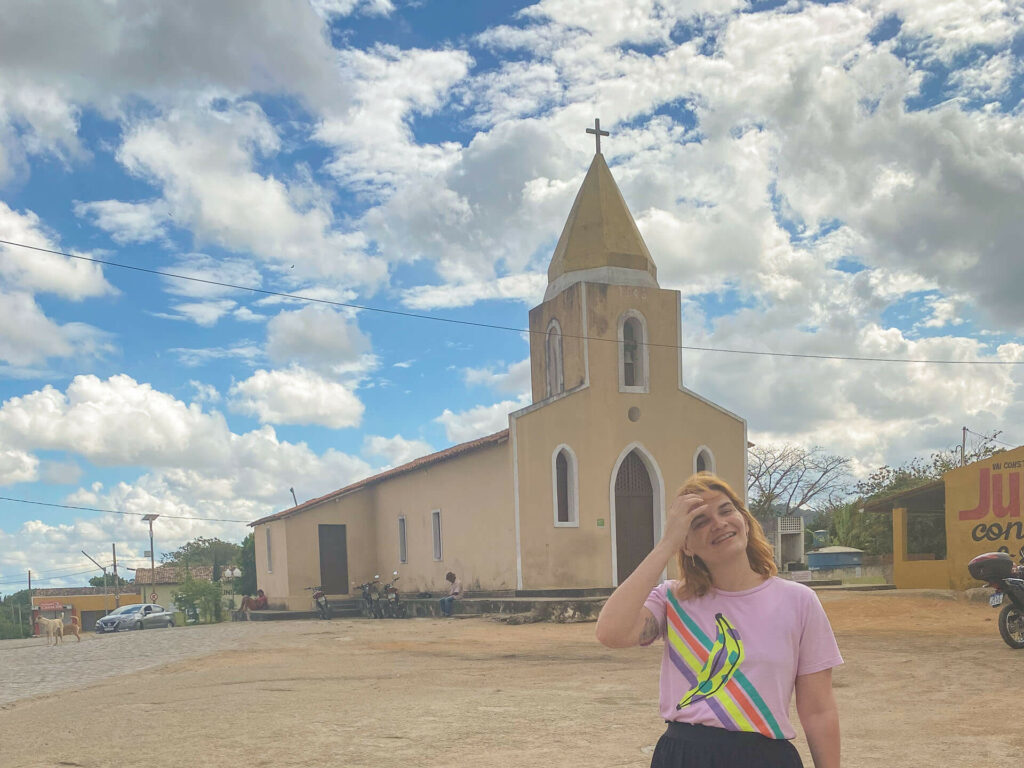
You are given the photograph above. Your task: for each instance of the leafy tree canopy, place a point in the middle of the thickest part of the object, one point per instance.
(97, 581)
(203, 551)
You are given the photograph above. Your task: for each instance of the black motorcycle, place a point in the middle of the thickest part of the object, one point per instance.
(998, 571)
(371, 603)
(323, 611)
(393, 607)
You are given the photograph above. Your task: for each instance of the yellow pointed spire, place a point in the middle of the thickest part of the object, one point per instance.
(600, 241)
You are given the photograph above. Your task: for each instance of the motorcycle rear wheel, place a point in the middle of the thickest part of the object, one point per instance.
(1011, 626)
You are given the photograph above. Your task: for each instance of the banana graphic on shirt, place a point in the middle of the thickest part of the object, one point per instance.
(724, 658)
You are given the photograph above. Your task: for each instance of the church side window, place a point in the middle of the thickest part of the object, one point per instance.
(553, 350)
(703, 460)
(403, 554)
(565, 487)
(435, 526)
(270, 562)
(633, 352)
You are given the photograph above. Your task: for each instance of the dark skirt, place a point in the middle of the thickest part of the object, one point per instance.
(701, 746)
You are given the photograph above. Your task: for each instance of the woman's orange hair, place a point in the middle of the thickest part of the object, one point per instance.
(694, 577)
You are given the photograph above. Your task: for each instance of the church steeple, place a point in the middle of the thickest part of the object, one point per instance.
(600, 241)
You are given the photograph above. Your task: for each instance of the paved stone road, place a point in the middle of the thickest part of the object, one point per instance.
(30, 668)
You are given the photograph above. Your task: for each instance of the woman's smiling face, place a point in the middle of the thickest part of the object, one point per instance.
(718, 534)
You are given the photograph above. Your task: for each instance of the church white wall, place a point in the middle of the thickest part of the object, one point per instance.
(474, 494)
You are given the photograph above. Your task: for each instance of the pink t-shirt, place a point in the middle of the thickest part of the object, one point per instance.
(732, 658)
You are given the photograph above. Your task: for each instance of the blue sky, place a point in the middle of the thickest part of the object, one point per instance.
(837, 179)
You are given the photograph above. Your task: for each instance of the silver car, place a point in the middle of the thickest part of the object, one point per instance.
(135, 616)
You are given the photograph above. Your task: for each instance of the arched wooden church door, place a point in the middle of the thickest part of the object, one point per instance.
(634, 515)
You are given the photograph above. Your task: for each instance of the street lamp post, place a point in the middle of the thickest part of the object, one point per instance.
(152, 567)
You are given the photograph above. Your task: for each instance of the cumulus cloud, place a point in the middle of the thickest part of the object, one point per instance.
(203, 158)
(461, 426)
(316, 336)
(296, 396)
(515, 379)
(395, 450)
(127, 222)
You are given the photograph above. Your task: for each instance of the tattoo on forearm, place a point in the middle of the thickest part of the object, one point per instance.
(650, 631)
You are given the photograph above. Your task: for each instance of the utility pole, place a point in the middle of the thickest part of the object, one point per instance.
(152, 565)
(117, 589)
(104, 569)
(30, 598)
(963, 447)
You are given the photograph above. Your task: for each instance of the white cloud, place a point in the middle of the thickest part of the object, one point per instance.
(328, 8)
(28, 337)
(127, 222)
(316, 336)
(396, 450)
(17, 467)
(296, 396)
(244, 351)
(44, 272)
(477, 422)
(204, 313)
(205, 393)
(204, 158)
(197, 467)
(525, 288)
(515, 379)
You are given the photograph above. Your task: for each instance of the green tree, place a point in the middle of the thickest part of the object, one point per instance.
(15, 616)
(246, 583)
(201, 597)
(97, 581)
(203, 551)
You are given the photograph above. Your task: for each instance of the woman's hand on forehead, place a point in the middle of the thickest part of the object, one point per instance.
(682, 513)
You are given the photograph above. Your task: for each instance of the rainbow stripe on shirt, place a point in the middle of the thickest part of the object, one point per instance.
(712, 669)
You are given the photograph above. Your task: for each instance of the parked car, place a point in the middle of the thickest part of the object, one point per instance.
(136, 616)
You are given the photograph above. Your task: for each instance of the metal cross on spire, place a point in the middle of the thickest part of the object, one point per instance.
(598, 133)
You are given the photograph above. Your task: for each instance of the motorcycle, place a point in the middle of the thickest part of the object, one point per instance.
(393, 607)
(320, 602)
(371, 605)
(998, 571)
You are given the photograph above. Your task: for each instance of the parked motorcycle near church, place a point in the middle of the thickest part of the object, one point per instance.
(393, 607)
(997, 570)
(371, 603)
(320, 602)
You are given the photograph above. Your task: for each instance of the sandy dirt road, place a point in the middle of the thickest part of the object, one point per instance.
(917, 689)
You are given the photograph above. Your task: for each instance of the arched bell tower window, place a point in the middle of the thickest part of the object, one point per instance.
(565, 487)
(555, 376)
(634, 368)
(703, 460)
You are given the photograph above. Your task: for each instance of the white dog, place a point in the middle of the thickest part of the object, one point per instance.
(54, 629)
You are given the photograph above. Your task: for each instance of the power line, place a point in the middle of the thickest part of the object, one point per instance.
(471, 323)
(121, 512)
(43, 574)
(51, 578)
(990, 437)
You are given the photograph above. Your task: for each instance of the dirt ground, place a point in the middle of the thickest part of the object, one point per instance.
(923, 684)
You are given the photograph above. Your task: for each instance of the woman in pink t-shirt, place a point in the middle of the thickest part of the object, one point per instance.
(738, 640)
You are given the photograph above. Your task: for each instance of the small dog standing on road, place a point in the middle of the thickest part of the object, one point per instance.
(75, 627)
(54, 629)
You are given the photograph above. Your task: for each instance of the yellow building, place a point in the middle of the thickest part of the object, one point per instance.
(939, 527)
(87, 603)
(572, 494)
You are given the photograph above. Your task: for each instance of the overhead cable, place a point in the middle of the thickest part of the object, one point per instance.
(493, 326)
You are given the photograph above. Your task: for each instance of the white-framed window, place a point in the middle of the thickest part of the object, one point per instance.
(435, 527)
(565, 487)
(634, 366)
(703, 460)
(554, 372)
(270, 560)
(403, 553)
